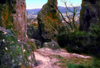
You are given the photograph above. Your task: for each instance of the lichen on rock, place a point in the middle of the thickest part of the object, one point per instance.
(13, 16)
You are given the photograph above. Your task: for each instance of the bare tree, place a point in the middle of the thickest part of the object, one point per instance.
(72, 24)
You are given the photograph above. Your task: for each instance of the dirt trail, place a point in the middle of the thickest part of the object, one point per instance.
(45, 59)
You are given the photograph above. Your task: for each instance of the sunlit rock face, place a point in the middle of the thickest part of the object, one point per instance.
(13, 16)
(90, 13)
(49, 20)
(12, 24)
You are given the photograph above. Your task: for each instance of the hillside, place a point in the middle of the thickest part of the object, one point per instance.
(32, 13)
(62, 10)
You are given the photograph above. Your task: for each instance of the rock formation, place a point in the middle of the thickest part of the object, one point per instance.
(13, 19)
(49, 20)
(13, 16)
(53, 45)
(90, 13)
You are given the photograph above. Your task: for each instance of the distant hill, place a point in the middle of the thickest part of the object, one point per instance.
(62, 10)
(35, 11)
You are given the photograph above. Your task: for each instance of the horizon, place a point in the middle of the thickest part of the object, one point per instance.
(37, 4)
(58, 6)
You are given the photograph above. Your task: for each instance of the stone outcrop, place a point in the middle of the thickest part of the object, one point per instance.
(13, 16)
(90, 13)
(49, 20)
(53, 45)
(13, 19)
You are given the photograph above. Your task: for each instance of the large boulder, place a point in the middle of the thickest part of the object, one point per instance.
(49, 20)
(90, 13)
(53, 45)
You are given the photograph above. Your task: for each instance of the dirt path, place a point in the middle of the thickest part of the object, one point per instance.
(45, 57)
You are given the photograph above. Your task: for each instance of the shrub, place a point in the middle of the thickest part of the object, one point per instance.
(81, 41)
(96, 63)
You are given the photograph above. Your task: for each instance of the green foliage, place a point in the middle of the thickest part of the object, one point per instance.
(13, 53)
(78, 66)
(96, 62)
(81, 41)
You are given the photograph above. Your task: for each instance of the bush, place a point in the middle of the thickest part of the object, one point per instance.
(81, 41)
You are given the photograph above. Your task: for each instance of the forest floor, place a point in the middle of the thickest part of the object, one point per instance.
(59, 58)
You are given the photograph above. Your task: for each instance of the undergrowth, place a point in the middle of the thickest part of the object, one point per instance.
(77, 62)
(81, 41)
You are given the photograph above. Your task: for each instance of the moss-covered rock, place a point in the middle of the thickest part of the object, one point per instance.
(49, 20)
(14, 53)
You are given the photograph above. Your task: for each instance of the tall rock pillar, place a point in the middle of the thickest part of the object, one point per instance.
(49, 20)
(90, 13)
(13, 16)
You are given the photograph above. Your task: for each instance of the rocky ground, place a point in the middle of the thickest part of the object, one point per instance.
(47, 57)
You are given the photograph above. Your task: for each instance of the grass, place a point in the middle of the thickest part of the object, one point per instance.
(75, 62)
(33, 45)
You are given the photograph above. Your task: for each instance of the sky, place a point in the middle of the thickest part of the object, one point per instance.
(33, 4)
